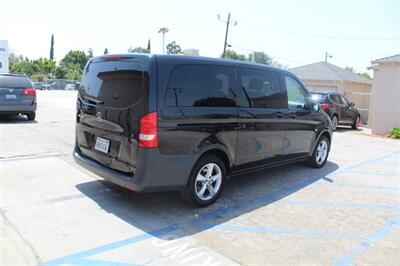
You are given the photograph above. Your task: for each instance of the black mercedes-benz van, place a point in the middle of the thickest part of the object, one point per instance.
(161, 122)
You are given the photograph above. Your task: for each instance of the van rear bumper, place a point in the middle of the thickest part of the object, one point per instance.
(104, 172)
(155, 171)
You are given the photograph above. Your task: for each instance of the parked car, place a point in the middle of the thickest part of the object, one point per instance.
(17, 95)
(58, 85)
(340, 110)
(39, 85)
(70, 87)
(159, 122)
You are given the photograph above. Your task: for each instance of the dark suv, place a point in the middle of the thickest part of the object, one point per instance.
(17, 95)
(153, 122)
(340, 110)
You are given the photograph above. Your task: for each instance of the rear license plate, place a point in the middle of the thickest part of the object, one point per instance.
(102, 145)
(11, 96)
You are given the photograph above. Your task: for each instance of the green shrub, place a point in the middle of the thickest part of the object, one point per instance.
(394, 133)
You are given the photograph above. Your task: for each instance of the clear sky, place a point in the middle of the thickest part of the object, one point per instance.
(293, 32)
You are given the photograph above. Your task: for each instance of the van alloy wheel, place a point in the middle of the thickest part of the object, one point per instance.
(322, 151)
(208, 181)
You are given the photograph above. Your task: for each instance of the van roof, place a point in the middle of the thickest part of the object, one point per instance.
(192, 59)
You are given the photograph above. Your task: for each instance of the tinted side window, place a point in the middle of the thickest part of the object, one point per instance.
(344, 100)
(336, 98)
(201, 86)
(260, 88)
(296, 94)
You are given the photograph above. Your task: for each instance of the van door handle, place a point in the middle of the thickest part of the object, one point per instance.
(279, 114)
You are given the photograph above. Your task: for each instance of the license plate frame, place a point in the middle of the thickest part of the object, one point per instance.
(102, 145)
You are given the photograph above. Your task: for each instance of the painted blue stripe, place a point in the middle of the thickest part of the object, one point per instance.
(382, 232)
(75, 258)
(279, 230)
(373, 173)
(394, 164)
(339, 204)
(361, 186)
(95, 262)
(266, 199)
(366, 162)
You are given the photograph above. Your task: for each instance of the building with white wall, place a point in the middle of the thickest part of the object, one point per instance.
(4, 56)
(385, 107)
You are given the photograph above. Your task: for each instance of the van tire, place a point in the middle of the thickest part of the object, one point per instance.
(315, 161)
(217, 179)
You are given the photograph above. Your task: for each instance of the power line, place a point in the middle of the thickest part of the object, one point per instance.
(273, 56)
(324, 36)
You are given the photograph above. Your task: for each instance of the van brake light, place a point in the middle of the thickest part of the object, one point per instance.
(148, 133)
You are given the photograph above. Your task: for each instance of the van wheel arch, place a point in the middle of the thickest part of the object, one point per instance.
(221, 155)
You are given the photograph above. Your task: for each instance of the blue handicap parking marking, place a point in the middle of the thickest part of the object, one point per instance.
(381, 233)
(81, 258)
(280, 230)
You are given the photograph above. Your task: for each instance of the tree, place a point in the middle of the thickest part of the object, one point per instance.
(72, 65)
(230, 54)
(90, 53)
(352, 70)
(163, 30)
(148, 46)
(365, 75)
(173, 48)
(36, 69)
(52, 47)
(105, 51)
(260, 58)
(138, 50)
(75, 57)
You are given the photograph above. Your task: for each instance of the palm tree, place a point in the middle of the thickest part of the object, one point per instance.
(163, 30)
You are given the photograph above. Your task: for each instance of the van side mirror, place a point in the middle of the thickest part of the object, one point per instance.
(352, 104)
(315, 107)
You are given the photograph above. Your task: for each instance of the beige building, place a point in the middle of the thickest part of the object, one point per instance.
(323, 76)
(385, 101)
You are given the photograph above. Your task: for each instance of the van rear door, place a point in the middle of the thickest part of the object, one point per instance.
(111, 99)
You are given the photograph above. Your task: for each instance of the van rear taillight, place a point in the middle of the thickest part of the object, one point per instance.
(148, 133)
(29, 91)
(325, 106)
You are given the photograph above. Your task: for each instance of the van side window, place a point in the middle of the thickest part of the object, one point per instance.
(296, 94)
(201, 86)
(259, 88)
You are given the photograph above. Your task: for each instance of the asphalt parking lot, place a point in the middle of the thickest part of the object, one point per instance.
(55, 213)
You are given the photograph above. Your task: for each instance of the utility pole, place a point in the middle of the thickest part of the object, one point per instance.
(226, 35)
(226, 32)
(327, 56)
